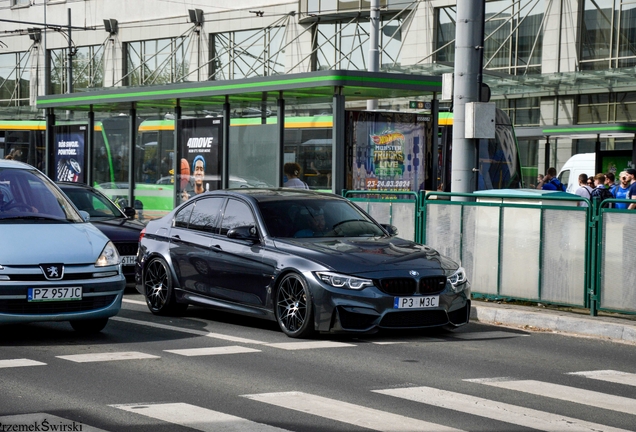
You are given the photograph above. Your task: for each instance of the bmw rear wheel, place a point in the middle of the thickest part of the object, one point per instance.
(294, 309)
(158, 289)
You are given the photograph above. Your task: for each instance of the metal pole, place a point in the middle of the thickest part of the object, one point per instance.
(225, 152)
(374, 51)
(46, 63)
(338, 155)
(69, 85)
(280, 157)
(468, 54)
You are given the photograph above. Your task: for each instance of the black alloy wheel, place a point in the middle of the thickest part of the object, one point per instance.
(294, 309)
(158, 289)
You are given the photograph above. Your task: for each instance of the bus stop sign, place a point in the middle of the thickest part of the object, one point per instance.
(419, 105)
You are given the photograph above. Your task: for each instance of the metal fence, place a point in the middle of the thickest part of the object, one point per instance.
(523, 246)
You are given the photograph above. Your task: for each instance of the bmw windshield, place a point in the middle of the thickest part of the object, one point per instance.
(302, 218)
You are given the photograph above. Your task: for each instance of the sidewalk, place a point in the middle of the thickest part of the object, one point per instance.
(614, 327)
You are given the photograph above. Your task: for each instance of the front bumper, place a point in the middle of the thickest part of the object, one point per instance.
(368, 310)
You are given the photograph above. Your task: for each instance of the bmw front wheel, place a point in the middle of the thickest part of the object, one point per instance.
(294, 309)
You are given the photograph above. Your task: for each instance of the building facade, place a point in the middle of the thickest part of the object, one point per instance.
(547, 62)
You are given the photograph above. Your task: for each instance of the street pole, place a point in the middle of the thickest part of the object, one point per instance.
(374, 50)
(69, 85)
(468, 63)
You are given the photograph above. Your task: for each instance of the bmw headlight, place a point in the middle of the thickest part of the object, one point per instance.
(108, 257)
(338, 280)
(458, 279)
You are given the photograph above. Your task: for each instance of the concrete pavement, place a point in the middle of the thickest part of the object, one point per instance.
(613, 327)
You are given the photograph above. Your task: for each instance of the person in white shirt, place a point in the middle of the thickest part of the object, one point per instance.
(292, 171)
(584, 190)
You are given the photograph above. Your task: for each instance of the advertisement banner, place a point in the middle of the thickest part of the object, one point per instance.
(200, 153)
(389, 151)
(69, 153)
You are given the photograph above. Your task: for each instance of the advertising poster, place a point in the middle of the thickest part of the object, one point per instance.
(69, 153)
(200, 153)
(389, 151)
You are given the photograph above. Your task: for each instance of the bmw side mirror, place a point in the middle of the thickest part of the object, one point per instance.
(129, 212)
(84, 214)
(391, 229)
(244, 233)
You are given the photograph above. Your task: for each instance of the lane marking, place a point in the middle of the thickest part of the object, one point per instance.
(11, 363)
(114, 356)
(347, 413)
(198, 418)
(43, 421)
(190, 331)
(565, 393)
(609, 376)
(530, 418)
(290, 346)
(485, 335)
(137, 302)
(212, 351)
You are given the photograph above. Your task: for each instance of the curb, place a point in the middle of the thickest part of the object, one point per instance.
(598, 327)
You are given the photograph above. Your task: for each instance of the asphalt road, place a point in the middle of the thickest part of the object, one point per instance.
(211, 371)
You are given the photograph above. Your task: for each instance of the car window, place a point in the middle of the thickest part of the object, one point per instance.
(96, 205)
(182, 218)
(28, 193)
(236, 214)
(205, 215)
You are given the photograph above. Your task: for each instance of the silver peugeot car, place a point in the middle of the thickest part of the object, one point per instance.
(54, 264)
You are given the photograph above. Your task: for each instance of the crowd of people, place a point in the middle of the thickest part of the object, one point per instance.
(600, 186)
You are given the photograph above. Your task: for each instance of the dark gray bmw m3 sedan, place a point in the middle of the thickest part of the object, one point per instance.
(310, 261)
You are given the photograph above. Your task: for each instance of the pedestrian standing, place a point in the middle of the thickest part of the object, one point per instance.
(610, 183)
(622, 189)
(551, 182)
(631, 194)
(584, 190)
(600, 192)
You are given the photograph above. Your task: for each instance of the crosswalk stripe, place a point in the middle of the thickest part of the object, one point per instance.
(137, 302)
(11, 363)
(43, 421)
(609, 376)
(212, 351)
(309, 345)
(190, 331)
(100, 357)
(504, 412)
(198, 418)
(565, 393)
(347, 413)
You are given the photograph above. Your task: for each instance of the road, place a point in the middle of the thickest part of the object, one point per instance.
(211, 371)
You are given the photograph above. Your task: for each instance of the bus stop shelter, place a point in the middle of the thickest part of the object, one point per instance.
(336, 87)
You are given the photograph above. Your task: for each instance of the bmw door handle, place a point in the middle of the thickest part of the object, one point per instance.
(216, 247)
(176, 237)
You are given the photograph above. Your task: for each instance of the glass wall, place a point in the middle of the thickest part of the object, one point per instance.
(88, 69)
(158, 61)
(606, 108)
(513, 35)
(248, 53)
(14, 79)
(608, 34)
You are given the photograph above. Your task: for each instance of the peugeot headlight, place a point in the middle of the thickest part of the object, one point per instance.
(458, 278)
(108, 257)
(338, 280)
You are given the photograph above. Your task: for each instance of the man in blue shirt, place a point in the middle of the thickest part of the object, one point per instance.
(622, 189)
(551, 182)
(631, 194)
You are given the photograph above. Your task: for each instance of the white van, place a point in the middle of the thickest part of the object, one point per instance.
(577, 164)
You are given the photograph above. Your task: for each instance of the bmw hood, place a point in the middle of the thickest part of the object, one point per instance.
(365, 255)
(69, 243)
(119, 229)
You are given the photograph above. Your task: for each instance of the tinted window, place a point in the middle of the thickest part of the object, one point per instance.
(205, 216)
(236, 214)
(182, 218)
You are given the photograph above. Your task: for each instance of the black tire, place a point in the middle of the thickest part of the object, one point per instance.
(89, 326)
(158, 289)
(293, 307)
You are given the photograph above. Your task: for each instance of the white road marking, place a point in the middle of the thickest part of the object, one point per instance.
(500, 411)
(137, 302)
(100, 357)
(212, 351)
(388, 343)
(190, 331)
(609, 376)
(485, 335)
(198, 418)
(309, 345)
(347, 413)
(43, 421)
(19, 363)
(566, 393)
